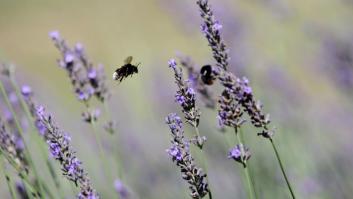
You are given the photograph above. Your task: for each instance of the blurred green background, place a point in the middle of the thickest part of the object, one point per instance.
(298, 56)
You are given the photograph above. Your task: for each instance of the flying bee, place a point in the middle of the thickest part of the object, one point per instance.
(207, 75)
(125, 70)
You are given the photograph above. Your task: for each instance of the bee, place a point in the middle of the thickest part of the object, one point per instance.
(207, 75)
(125, 70)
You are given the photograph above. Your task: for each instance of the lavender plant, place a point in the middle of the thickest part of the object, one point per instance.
(180, 154)
(61, 150)
(194, 78)
(88, 81)
(16, 159)
(22, 109)
(235, 89)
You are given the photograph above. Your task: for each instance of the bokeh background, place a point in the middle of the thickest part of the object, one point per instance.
(298, 56)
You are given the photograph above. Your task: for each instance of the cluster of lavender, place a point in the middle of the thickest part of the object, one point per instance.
(185, 96)
(9, 94)
(180, 153)
(9, 147)
(87, 79)
(61, 150)
(235, 88)
(194, 77)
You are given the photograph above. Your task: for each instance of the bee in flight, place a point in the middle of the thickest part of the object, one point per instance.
(207, 75)
(125, 70)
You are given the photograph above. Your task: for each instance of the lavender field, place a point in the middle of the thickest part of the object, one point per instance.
(222, 99)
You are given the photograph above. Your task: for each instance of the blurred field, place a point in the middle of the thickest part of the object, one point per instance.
(298, 56)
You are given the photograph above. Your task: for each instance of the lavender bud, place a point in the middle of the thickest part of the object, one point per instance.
(239, 153)
(121, 189)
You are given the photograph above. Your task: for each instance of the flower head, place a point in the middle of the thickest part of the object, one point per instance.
(185, 96)
(180, 154)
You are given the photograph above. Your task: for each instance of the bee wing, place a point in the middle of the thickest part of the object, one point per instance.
(128, 60)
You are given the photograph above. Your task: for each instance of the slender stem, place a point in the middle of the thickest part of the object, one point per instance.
(37, 137)
(116, 146)
(23, 176)
(101, 152)
(248, 165)
(8, 180)
(20, 130)
(204, 162)
(282, 169)
(246, 169)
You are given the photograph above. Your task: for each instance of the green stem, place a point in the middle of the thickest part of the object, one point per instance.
(251, 189)
(282, 169)
(38, 139)
(20, 130)
(101, 152)
(8, 180)
(23, 176)
(117, 144)
(204, 163)
(252, 179)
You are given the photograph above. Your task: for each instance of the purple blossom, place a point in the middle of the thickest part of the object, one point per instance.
(26, 90)
(54, 35)
(69, 58)
(172, 63)
(175, 153)
(217, 26)
(239, 153)
(92, 73)
(121, 189)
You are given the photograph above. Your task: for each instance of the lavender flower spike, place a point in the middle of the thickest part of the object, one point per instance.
(8, 146)
(194, 77)
(185, 96)
(180, 154)
(88, 80)
(61, 150)
(211, 29)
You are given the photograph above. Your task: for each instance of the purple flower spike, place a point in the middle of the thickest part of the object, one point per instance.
(180, 154)
(185, 96)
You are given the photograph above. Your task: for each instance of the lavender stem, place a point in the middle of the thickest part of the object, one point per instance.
(31, 192)
(248, 165)
(204, 162)
(251, 189)
(38, 139)
(8, 180)
(118, 155)
(282, 168)
(20, 130)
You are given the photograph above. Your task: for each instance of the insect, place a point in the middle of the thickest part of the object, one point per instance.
(207, 75)
(125, 70)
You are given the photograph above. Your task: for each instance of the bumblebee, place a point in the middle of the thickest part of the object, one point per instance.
(207, 75)
(125, 70)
